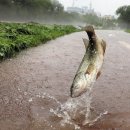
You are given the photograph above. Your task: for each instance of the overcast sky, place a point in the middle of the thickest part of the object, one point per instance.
(105, 7)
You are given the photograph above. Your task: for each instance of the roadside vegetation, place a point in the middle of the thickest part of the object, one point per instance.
(15, 37)
(123, 13)
(128, 30)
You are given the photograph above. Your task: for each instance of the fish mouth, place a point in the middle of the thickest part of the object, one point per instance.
(77, 93)
(74, 96)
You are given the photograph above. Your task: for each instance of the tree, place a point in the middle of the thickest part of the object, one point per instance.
(29, 9)
(92, 19)
(124, 14)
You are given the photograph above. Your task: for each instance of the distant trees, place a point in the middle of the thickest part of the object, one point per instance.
(124, 15)
(29, 8)
(43, 5)
(93, 19)
(45, 11)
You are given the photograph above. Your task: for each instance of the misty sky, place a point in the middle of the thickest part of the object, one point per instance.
(105, 7)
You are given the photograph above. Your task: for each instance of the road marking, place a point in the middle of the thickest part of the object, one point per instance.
(124, 44)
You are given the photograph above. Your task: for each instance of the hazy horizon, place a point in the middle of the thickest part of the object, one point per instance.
(101, 6)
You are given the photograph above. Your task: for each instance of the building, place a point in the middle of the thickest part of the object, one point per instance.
(108, 17)
(83, 10)
(74, 10)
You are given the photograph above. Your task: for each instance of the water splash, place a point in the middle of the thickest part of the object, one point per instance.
(75, 112)
(45, 95)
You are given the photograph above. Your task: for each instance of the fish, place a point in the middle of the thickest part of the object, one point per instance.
(90, 67)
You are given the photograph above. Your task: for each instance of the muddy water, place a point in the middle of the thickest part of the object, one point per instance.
(34, 87)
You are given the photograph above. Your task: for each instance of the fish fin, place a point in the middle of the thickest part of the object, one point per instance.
(90, 69)
(98, 74)
(103, 46)
(86, 42)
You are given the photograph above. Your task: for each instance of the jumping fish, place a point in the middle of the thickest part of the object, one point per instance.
(90, 67)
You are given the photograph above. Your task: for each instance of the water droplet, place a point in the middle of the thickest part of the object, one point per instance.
(30, 100)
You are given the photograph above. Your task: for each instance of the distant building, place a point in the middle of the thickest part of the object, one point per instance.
(91, 11)
(83, 10)
(108, 17)
(74, 10)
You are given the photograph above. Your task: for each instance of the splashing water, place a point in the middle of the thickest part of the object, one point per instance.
(75, 112)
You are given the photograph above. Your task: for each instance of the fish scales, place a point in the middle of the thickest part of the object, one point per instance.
(89, 69)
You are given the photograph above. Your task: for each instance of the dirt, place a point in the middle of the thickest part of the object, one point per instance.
(49, 69)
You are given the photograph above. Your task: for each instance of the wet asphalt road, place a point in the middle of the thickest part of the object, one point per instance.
(50, 68)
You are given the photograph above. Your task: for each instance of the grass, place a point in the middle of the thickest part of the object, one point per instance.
(15, 37)
(128, 30)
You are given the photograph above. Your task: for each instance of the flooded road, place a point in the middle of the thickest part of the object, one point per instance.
(36, 82)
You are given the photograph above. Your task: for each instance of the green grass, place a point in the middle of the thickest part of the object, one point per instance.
(128, 30)
(15, 37)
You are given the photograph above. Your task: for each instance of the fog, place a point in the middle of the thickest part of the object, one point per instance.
(54, 12)
(105, 7)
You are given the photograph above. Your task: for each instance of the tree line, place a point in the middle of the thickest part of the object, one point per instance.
(29, 9)
(123, 13)
(43, 11)
(46, 11)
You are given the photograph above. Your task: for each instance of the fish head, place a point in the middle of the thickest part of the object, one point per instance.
(79, 85)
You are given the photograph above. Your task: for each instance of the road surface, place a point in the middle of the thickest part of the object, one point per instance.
(50, 68)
